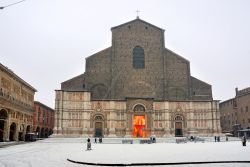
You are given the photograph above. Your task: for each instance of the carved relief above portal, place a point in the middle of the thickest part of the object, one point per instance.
(139, 104)
(97, 107)
(179, 107)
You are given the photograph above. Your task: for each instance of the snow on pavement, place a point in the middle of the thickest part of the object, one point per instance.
(54, 152)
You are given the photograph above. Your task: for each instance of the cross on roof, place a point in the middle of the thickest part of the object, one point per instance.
(137, 11)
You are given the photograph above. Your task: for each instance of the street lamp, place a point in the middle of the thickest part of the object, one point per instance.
(2, 7)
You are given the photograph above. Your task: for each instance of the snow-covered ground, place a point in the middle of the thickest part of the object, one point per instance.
(53, 152)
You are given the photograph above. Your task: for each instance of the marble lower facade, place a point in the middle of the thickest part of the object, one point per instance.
(77, 115)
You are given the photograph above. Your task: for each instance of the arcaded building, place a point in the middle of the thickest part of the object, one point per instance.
(43, 120)
(136, 88)
(16, 106)
(235, 113)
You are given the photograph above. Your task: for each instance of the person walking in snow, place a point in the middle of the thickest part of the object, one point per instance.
(218, 138)
(88, 144)
(244, 141)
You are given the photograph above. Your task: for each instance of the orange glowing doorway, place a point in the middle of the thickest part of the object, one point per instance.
(139, 126)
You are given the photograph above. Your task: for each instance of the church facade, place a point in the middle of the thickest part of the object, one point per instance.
(136, 88)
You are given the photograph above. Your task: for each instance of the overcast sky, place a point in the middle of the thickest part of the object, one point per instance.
(45, 42)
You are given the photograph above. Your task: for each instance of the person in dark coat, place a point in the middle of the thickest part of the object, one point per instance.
(215, 138)
(244, 140)
(88, 144)
(95, 140)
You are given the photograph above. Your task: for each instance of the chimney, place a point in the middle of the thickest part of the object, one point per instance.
(236, 91)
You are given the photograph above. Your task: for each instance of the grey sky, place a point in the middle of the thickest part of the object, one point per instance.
(46, 42)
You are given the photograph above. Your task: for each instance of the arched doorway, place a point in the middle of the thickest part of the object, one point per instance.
(3, 117)
(28, 129)
(178, 126)
(42, 135)
(12, 131)
(99, 121)
(139, 126)
(139, 121)
(50, 132)
(21, 133)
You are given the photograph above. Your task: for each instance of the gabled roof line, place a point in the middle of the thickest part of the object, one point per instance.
(137, 19)
(200, 80)
(73, 78)
(98, 52)
(177, 55)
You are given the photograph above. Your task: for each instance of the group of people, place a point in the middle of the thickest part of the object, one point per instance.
(100, 140)
(244, 140)
(89, 143)
(217, 138)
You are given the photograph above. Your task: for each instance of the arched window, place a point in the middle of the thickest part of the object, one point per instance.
(139, 108)
(138, 58)
(98, 118)
(3, 114)
(178, 118)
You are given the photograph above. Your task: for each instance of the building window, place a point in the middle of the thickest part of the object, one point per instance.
(235, 104)
(44, 121)
(138, 58)
(38, 118)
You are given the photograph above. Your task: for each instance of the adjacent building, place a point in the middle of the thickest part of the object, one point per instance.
(16, 106)
(43, 120)
(235, 114)
(136, 88)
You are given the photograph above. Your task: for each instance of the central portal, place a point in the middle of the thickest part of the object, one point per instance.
(139, 126)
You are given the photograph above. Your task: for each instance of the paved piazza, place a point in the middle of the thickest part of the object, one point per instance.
(53, 152)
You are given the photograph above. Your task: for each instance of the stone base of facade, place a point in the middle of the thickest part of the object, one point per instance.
(134, 117)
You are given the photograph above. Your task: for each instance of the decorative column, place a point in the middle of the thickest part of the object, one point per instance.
(24, 132)
(16, 132)
(128, 123)
(6, 134)
(111, 128)
(58, 112)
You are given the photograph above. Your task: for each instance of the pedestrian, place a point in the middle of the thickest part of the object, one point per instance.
(244, 140)
(218, 138)
(226, 138)
(88, 144)
(95, 139)
(215, 138)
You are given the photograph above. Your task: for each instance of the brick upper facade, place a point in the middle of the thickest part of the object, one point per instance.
(166, 76)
